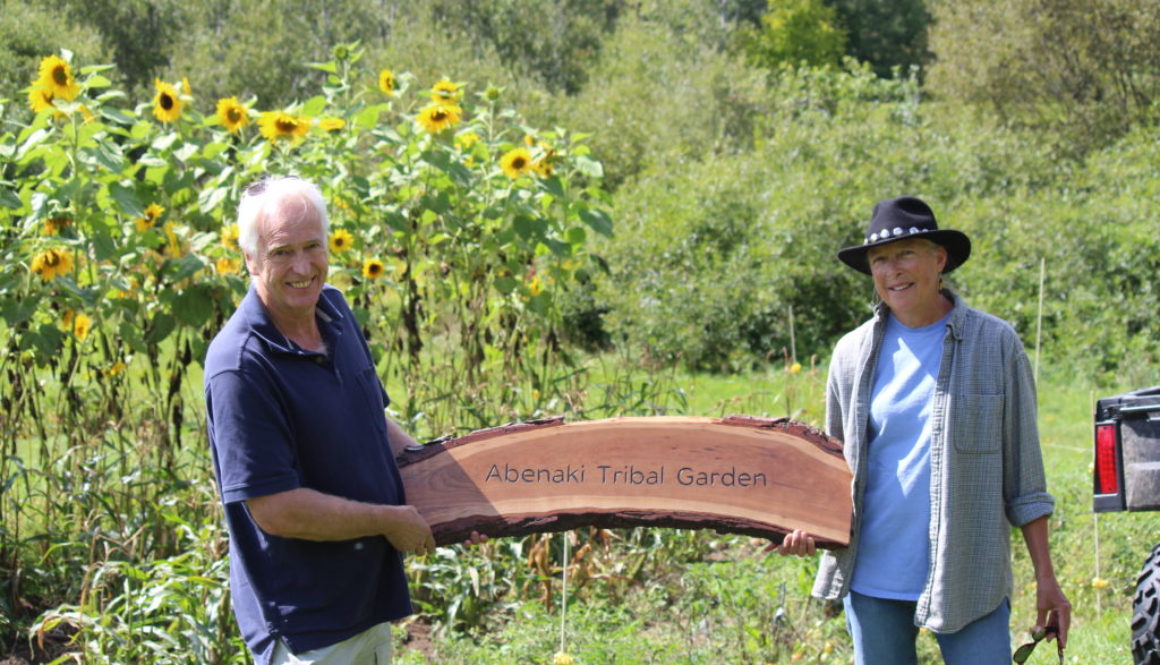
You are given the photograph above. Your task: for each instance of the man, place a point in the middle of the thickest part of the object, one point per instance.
(303, 451)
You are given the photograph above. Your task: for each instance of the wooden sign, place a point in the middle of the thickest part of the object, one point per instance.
(741, 475)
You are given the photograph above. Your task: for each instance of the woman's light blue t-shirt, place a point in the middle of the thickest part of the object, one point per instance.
(893, 547)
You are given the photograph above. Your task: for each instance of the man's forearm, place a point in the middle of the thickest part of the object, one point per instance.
(311, 515)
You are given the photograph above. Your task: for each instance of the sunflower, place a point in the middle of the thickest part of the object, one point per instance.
(130, 292)
(331, 124)
(466, 140)
(40, 99)
(281, 125)
(81, 325)
(543, 167)
(232, 114)
(373, 269)
(54, 226)
(56, 78)
(445, 92)
(53, 263)
(174, 247)
(341, 240)
(516, 162)
(167, 102)
(229, 236)
(387, 82)
(152, 214)
(227, 266)
(437, 117)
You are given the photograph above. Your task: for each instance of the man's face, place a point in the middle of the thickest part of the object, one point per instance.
(290, 265)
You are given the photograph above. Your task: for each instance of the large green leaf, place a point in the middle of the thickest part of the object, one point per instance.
(176, 270)
(10, 199)
(159, 328)
(127, 199)
(597, 219)
(194, 305)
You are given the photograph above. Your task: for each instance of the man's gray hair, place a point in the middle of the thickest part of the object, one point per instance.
(262, 197)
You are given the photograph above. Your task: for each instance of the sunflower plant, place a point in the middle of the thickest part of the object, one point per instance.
(449, 238)
(455, 230)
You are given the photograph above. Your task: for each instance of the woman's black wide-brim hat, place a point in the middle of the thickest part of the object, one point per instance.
(901, 218)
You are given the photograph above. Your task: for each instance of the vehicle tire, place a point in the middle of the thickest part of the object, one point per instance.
(1146, 612)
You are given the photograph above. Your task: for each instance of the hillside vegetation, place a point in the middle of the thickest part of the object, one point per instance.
(735, 172)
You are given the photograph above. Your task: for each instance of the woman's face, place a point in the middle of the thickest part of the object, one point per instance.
(906, 277)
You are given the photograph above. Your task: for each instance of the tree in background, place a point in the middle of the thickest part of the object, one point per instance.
(1085, 69)
(263, 50)
(889, 34)
(28, 33)
(554, 42)
(660, 98)
(795, 32)
(139, 33)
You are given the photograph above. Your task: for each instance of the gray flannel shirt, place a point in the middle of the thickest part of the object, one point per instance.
(985, 463)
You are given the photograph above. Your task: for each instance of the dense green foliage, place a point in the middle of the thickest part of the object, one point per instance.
(1085, 70)
(796, 32)
(28, 33)
(701, 182)
(890, 35)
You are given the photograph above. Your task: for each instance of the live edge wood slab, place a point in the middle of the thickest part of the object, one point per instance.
(759, 477)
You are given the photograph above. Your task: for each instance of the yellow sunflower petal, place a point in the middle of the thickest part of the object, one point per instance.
(57, 78)
(229, 236)
(331, 124)
(437, 117)
(232, 114)
(167, 102)
(277, 125)
(445, 91)
(373, 269)
(81, 326)
(387, 81)
(52, 263)
(516, 162)
(341, 240)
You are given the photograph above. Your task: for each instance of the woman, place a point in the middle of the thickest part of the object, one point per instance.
(935, 404)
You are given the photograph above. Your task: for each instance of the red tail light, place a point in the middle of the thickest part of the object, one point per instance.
(1107, 476)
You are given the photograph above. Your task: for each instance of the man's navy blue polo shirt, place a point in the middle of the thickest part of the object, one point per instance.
(281, 418)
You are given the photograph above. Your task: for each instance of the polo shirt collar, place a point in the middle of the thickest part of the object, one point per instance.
(258, 320)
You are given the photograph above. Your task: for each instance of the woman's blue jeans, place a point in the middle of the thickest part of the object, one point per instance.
(884, 634)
